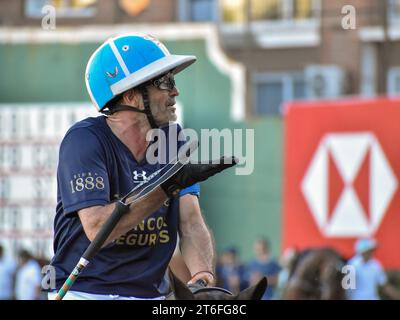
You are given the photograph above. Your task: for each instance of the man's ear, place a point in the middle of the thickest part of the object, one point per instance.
(131, 97)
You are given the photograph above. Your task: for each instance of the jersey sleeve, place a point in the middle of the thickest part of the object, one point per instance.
(194, 190)
(82, 175)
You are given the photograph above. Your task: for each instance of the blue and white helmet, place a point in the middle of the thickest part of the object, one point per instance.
(127, 61)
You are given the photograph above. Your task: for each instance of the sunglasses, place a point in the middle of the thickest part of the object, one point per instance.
(166, 82)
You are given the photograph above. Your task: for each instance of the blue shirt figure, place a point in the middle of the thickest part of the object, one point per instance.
(263, 265)
(270, 269)
(102, 171)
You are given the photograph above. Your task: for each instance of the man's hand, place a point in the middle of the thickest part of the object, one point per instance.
(205, 278)
(192, 173)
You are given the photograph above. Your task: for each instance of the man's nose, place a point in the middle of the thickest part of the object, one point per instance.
(174, 92)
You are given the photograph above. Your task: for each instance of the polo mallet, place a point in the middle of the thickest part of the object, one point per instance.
(121, 208)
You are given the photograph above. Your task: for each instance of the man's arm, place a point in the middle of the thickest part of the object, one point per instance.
(96, 220)
(93, 218)
(196, 242)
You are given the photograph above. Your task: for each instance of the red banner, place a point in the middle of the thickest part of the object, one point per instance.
(341, 176)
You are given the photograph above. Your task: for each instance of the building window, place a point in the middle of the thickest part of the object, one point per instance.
(393, 82)
(394, 10)
(198, 10)
(64, 8)
(271, 90)
(235, 11)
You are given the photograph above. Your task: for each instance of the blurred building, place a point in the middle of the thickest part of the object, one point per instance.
(258, 53)
(291, 48)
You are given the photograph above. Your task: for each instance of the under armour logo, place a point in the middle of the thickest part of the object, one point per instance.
(112, 75)
(139, 177)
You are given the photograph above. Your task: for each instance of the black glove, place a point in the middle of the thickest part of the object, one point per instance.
(192, 173)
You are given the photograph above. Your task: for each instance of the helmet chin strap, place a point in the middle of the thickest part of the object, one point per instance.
(146, 111)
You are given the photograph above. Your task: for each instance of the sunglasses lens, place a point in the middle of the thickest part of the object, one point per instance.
(165, 83)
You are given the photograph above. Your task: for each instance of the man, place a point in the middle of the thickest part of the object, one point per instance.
(263, 265)
(370, 276)
(130, 79)
(28, 277)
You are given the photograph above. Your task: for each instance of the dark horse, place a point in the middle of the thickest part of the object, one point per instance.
(179, 291)
(316, 274)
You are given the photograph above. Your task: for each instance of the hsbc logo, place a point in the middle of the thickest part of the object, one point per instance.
(349, 184)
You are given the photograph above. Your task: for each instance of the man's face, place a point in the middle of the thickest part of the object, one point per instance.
(162, 103)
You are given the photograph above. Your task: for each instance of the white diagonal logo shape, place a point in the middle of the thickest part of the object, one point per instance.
(348, 218)
(349, 152)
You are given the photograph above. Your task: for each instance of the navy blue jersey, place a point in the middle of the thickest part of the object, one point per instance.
(96, 168)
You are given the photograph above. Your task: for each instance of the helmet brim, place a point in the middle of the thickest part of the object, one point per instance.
(170, 63)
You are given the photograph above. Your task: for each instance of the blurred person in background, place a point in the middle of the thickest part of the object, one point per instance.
(263, 265)
(7, 273)
(28, 278)
(231, 272)
(370, 276)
